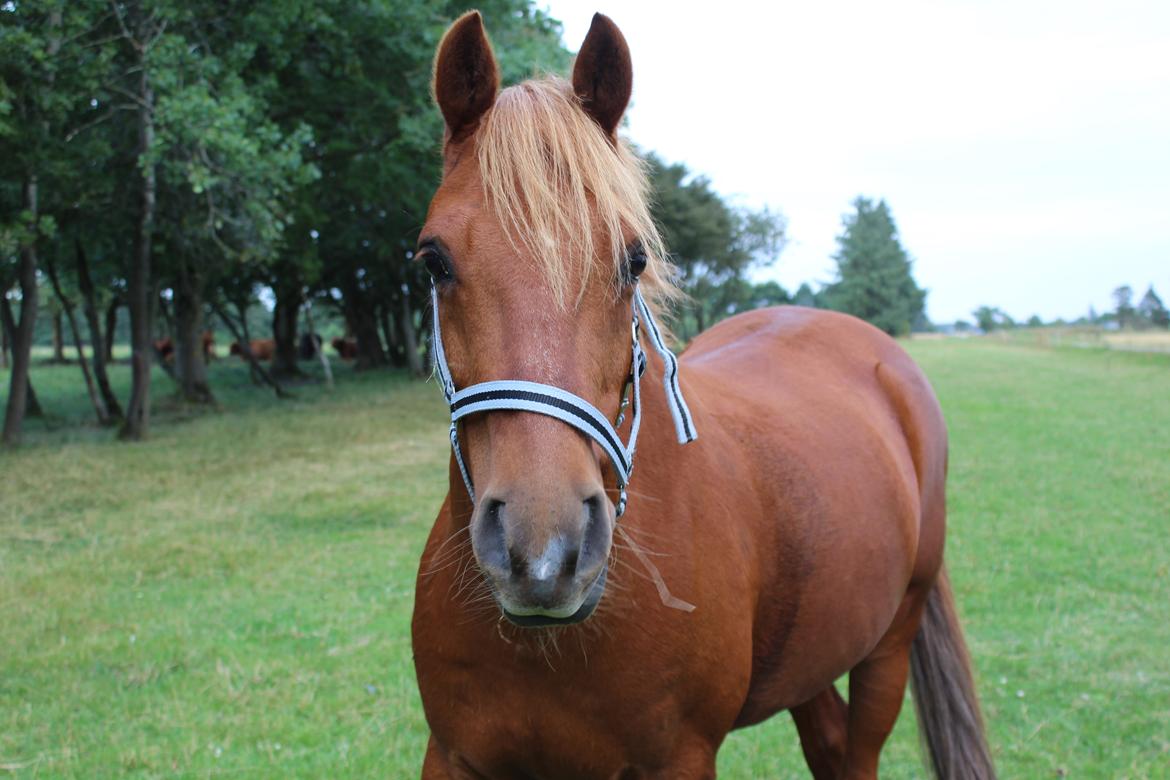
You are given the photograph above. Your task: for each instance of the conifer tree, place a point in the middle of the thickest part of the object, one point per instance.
(874, 280)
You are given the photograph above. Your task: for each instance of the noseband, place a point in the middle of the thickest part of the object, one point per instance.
(573, 410)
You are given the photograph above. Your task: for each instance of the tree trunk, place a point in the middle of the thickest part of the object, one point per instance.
(99, 406)
(58, 340)
(320, 348)
(245, 342)
(140, 292)
(188, 338)
(111, 328)
(22, 332)
(394, 349)
(4, 346)
(409, 339)
(362, 318)
(284, 331)
(100, 352)
(32, 406)
(369, 344)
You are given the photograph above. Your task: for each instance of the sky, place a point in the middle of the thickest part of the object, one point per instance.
(1023, 146)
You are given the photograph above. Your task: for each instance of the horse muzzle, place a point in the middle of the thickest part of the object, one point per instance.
(547, 576)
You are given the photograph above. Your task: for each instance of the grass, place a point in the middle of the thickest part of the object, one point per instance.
(233, 597)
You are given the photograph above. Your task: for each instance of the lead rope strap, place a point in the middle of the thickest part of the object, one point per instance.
(684, 426)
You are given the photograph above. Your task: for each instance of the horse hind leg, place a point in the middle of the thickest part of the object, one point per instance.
(822, 722)
(877, 687)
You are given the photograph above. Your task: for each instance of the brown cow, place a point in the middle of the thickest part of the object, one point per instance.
(165, 347)
(262, 349)
(347, 348)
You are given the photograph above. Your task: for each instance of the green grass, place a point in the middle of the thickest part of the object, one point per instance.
(233, 597)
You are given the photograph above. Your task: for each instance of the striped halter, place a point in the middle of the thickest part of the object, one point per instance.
(573, 410)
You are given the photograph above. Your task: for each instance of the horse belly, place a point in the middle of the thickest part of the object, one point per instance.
(845, 541)
(841, 617)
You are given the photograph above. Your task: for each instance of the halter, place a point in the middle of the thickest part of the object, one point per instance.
(573, 410)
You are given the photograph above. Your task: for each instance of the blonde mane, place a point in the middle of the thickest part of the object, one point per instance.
(556, 181)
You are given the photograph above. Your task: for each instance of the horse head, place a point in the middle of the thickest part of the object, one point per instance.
(537, 239)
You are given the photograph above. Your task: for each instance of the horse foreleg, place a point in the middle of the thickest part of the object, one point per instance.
(877, 687)
(822, 722)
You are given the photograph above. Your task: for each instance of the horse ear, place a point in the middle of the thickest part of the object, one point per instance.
(466, 77)
(603, 76)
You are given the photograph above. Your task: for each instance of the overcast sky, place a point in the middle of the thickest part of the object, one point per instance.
(1024, 147)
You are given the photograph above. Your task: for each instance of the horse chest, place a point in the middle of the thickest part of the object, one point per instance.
(535, 722)
(579, 709)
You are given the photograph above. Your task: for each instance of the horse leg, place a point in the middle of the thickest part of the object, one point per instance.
(877, 686)
(434, 763)
(822, 722)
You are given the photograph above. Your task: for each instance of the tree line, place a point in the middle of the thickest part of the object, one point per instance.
(1149, 313)
(168, 164)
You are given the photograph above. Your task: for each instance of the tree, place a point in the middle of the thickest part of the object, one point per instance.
(1152, 311)
(1123, 301)
(358, 75)
(40, 80)
(874, 280)
(711, 242)
(990, 318)
(806, 297)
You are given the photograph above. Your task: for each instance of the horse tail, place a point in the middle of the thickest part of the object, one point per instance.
(949, 720)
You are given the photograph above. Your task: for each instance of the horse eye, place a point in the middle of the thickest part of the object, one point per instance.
(635, 261)
(436, 264)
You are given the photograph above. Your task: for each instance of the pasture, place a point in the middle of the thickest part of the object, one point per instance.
(233, 597)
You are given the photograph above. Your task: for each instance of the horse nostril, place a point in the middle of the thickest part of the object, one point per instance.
(488, 536)
(596, 537)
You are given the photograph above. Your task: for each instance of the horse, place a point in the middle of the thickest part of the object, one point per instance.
(798, 538)
(262, 349)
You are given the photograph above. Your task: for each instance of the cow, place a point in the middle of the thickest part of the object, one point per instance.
(347, 348)
(262, 349)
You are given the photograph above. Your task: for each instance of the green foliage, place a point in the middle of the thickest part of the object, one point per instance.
(874, 280)
(806, 297)
(712, 243)
(1152, 311)
(990, 318)
(295, 142)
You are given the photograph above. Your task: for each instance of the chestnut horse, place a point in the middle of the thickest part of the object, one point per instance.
(799, 538)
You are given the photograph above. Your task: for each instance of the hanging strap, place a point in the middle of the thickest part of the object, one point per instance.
(684, 426)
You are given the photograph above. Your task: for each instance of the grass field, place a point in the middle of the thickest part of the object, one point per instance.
(232, 598)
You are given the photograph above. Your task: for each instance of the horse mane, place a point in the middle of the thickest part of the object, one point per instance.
(556, 180)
